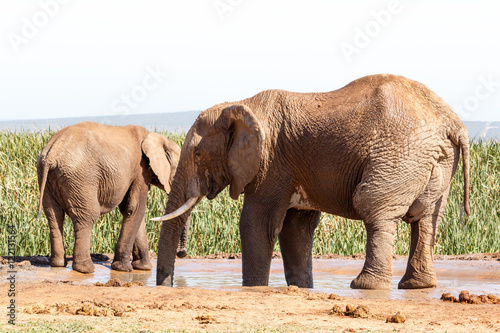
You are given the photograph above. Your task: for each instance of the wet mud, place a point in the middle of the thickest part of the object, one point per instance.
(331, 276)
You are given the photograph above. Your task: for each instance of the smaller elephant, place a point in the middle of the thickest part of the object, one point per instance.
(87, 170)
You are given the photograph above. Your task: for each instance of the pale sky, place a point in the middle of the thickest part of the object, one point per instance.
(94, 57)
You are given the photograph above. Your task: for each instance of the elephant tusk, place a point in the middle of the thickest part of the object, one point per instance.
(181, 210)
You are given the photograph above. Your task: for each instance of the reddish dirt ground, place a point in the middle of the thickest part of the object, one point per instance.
(139, 308)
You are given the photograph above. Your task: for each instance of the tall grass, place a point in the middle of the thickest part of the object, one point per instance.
(214, 225)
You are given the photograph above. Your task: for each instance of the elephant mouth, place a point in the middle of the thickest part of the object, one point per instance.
(213, 192)
(213, 188)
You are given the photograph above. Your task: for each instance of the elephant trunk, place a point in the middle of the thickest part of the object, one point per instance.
(182, 250)
(167, 251)
(170, 235)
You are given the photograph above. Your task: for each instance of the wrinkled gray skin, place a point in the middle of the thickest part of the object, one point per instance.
(88, 169)
(182, 248)
(381, 149)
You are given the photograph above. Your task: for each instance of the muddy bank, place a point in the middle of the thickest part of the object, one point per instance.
(208, 297)
(114, 309)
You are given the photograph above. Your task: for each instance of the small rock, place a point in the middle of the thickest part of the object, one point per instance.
(333, 296)
(110, 283)
(398, 318)
(361, 312)
(474, 299)
(464, 296)
(338, 310)
(447, 297)
(468, 298)
(349, 308)
(205, 319)
(24, 263)
(134, 284)
(493, 299)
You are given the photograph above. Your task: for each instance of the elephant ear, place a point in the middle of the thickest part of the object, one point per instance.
(246, 148)
(163, 155)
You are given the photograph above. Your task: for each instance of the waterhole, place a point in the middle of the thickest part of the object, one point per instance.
(330, 276)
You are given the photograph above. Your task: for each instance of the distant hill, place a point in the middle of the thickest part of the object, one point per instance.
(483, 130)
(157, 122)
(182, 121)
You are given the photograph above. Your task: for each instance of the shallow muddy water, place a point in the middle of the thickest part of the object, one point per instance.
(330, 276)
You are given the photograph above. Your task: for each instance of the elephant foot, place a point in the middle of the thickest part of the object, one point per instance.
(255, 282)
(367, 281)
(182, 253)
(142, 265)
(299, 279)
(301, 284)
(57, 262)
(83, 266)
(121, 266)
(418, 281)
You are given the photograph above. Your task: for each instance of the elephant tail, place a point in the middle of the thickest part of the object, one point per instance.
(460, 138)
(44, 173)
(464, 146)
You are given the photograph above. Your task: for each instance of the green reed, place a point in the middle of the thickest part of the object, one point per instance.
(214, 226)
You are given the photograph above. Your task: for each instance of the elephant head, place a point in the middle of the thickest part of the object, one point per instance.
(223, 147)
(163, 155)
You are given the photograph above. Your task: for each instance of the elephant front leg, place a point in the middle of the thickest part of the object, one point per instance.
(140, 251)
(377, 270)
(296, 240)
(259, 228)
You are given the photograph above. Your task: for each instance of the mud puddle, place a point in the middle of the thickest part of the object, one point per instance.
(330, 276)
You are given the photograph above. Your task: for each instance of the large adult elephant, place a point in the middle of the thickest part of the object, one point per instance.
(381, 149)
(88, 169)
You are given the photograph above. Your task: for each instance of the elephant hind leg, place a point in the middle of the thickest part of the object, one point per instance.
(420, 269)
(83, 221)
(296, 241)
(381, 208)
(377, 270)
(82, 262)
(133, 231)
(55, 217)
